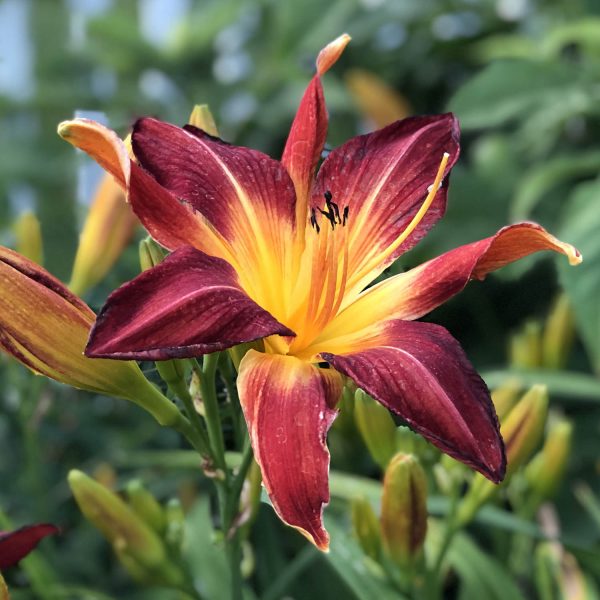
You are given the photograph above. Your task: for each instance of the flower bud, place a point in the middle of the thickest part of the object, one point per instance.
(146, 506)
(3, 589)
(250, 499)
(559, 334)
(545, 472)
(376, 427)
(377, 101)
(505, 397)
(526, 347)
(151, 254)
(137, 545)
(172, 372)
(202, 118)
(45, 327)
(28, 236)
(109, 225)
(404, 510)
(522, 431)
(366, 527)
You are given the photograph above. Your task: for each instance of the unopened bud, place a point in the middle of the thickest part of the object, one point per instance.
(131, 537)
(522, 431)
(366, 527)
(376, 427)
(3, 589)
(108, 227)
(526, 347)
(559, 334)
(28, 234)
(505, 397)
(250, 498)
(546, 470)
(151, 254)
(202, 118)
(404, 510)
(146, 506)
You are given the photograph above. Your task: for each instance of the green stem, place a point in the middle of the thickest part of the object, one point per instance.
(452, 525)
(211, 409)
(194, 418)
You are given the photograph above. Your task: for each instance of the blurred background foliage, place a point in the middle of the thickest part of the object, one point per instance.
(523, 77)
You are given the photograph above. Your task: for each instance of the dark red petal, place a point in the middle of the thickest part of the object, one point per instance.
(190, 304)
(16, 545)
(225, 183)
(288, 405)
(420, 372)
(383, 179)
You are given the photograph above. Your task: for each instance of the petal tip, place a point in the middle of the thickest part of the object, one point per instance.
(574, 256)
(331, 53)
(64, 129)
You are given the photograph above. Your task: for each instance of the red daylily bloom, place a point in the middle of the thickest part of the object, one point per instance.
(16, 545)
(266, 249)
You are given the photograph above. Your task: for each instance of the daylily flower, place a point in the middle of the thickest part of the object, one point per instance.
(16, 545)
(264, 249)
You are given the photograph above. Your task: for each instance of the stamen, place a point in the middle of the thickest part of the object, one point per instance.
(432, 192)
(345, 216)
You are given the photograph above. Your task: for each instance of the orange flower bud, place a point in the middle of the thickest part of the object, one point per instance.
(380, 103)
(109, 225)
(45, 326)
(404, 510)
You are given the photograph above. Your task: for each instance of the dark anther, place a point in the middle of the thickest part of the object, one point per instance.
(329, 215)
(345, 215)
(328, 196)
(313, 220)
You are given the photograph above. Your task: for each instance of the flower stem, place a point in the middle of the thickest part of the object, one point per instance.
(211, 409)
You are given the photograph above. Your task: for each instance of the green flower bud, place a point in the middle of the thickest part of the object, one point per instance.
(202, 118)
(376, 427)
(137, 545)
(559, 334)
(366, 527)
(526, 346)
(545, 472)
(505, 397)
(146, 506)
(404, 510)
(522, 431)
(151, 254)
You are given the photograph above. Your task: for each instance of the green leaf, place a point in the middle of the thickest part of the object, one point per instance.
(481, 576)
(564, 384)
(205, 557)
(539, 180)
(508, 89)
(580, 228)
